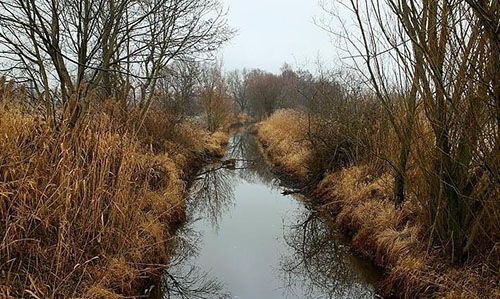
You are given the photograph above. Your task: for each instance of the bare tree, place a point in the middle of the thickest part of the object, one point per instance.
(458, 91)
(382, 54)
(178, 90)
(264, 93)
(214, 98)
(238, 84)
(446, 53)
(84, 46)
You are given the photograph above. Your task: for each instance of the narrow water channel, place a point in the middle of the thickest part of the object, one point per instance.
(244, 239)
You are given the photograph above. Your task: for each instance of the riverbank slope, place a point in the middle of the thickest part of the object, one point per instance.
(89, 212)
(358, 202)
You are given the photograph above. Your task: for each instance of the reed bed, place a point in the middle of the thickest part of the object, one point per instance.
(90, 212)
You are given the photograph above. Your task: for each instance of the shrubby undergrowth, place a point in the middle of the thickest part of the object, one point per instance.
(358, 198)
(89, 212)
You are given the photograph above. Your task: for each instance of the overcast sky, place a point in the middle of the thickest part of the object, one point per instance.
(272, 32)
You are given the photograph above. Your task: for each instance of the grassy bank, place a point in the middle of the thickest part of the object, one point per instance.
(89, 212)
(358, 200)
(283, 137)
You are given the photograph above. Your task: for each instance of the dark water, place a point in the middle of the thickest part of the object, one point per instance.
(244, 239)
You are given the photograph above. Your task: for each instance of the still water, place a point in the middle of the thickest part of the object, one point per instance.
(244, 239)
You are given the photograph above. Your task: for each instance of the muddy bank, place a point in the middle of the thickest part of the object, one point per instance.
(359, 203)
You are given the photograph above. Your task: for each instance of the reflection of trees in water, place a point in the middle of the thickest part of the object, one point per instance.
(252, 166)
(192, 284)
(318, 263)
(182, 280)
(212, 194)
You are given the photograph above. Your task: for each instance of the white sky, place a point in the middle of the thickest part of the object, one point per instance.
(272, 32)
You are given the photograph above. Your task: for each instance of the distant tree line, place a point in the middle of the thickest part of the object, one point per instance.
(260, 93)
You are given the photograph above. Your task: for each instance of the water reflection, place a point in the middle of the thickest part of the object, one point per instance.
(212, 194)
(252, 166)
(321, 264)
(243, 232)
(183, 279)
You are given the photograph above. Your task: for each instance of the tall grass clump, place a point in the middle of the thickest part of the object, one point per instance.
(89, 212)
(283, 136)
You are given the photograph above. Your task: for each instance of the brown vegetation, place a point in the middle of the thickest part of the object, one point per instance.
(432, 67)
(404, 146)
(286, 144)
(359, 200)
(103, 124)
(89, 212)
(99, 135)
(70, 49)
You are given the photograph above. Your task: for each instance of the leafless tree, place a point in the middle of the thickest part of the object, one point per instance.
(443, 56)
(99, 47)
(238, 84)
(459, 89)
(178, 90)
(382, 55)
(264, 93)
(214, 97)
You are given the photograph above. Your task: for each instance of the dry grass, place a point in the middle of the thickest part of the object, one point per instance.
(89, 213)
(359, 202)
(283, 137)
